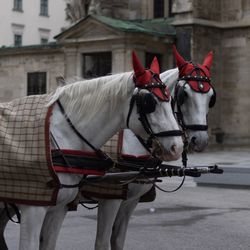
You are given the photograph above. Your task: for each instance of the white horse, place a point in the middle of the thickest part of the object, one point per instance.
(104, 105)
(114, 215)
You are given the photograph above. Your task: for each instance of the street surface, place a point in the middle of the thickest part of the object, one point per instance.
(193, 218)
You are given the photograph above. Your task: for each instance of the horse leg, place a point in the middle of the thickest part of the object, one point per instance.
(135, 191)
(51, 228)
(3, 222)
(30, 228)
(107, 210)
(121, 223)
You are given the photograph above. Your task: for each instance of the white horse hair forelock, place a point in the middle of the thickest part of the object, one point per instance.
(94, 93)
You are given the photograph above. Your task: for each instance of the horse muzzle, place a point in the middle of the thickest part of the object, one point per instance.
(198, 142)
(174, 153)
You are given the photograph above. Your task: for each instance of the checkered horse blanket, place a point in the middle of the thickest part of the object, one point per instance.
(26, 173)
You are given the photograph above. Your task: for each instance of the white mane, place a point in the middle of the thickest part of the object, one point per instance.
(170, 78)
(85, 98)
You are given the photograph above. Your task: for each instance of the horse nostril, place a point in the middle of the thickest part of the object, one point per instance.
(193, 139)
(173, 149)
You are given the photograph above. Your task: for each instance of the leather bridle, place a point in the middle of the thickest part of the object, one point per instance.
(143, 118)
(187, 78)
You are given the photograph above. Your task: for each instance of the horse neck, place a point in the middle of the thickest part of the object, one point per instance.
(97, 130)
(170, 77)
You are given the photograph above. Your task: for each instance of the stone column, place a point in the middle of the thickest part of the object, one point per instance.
(118, 59)
(71, 62)
(122, 58)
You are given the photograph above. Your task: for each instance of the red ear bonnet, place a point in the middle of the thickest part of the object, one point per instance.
(179, 59)
(208, 60)
(138, 68)
(155, 67)
(141, 76)
(188, 69)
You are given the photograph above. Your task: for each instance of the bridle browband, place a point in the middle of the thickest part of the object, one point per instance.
(197, 77)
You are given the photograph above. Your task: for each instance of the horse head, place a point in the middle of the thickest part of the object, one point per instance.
(153, 118)
(194, 95)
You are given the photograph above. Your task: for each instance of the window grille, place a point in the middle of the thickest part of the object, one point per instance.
(97, 64)
(36, 83)
(18, 5)
(17, 40)
(44, 8)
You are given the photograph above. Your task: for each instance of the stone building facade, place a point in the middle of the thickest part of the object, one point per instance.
(224, 27)
(102, 42)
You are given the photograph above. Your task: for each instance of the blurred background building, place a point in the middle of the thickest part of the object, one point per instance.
(26, 22)
(44, 40)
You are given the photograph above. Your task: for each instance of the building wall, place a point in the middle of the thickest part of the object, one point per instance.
(224, 27)
(14, 66)
(205, 39)
(30, 23)
(121, 49)
(208, 10)
(235, 115)
(127, 9)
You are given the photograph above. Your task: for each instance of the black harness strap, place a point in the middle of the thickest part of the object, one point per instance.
(99, 152)
(169, 133)
(16, 210)
(131, 105)
(197, 127)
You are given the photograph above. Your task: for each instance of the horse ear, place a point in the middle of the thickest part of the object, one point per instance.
(208, 60)
(138, 68)
(179, 59)
(155, 67)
